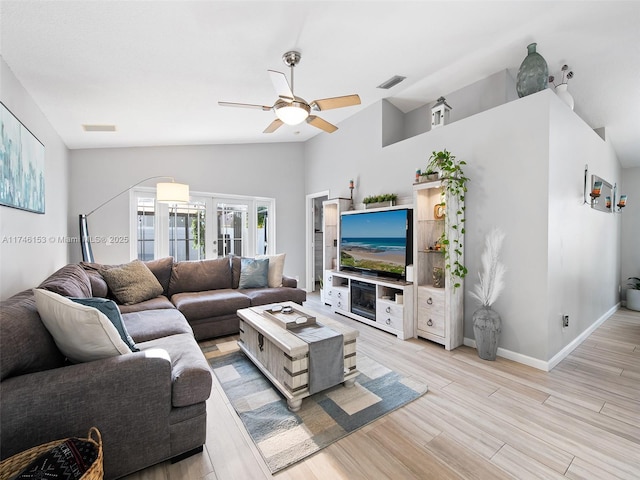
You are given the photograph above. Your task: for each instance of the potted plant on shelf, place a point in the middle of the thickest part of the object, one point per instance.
(454, 184)
(487, 323)
(633, 294)
(429, 175)
(378, 201)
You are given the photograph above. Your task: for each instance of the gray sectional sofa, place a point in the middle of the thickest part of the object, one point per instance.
(149, 405)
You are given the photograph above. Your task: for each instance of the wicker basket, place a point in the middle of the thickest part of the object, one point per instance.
(12, 466)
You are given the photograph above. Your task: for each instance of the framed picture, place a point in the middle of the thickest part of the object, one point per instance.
(21, 165)
(438, 211)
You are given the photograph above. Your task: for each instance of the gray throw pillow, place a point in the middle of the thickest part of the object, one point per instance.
(254, 273)
(111, 310)
(132, 283)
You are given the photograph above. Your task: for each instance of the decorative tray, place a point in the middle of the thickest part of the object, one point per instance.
(289, 317)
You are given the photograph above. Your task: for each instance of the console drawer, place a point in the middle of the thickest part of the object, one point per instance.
(431, 310)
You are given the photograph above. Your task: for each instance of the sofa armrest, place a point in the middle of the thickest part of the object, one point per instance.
(289, 282)
(128, 397)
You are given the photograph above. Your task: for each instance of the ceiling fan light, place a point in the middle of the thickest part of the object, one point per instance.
(293, 113)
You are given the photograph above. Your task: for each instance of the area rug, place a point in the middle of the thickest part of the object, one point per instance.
(284, 437)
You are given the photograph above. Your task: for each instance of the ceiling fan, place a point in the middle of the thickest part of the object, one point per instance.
(291, 109)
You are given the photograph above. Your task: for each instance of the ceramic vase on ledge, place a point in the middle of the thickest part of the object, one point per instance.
(533, 74)
(564, 95)
(487, 326)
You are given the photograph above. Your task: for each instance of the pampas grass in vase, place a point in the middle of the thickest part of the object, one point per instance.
(487, 323)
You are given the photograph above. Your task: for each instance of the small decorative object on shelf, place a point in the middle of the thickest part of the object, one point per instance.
(487, 323)
(561, 88)
(533, 74)
(438, 277)
(440, 113)
(351, 187)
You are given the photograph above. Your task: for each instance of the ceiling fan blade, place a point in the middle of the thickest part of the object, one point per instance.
(336, 102)
(281, 85)
(273, 126)
(244, 105)
(321, 124)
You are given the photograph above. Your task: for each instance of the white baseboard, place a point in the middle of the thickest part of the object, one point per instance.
(515, 356)
(558, 357)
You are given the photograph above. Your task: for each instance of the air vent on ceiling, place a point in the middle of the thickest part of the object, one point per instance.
(392, 82)
(99, 128)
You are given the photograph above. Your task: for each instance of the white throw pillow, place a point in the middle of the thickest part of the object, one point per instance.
(276, 268)
(81, 333)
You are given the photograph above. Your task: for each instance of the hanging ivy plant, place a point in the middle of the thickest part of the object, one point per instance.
(454, 182)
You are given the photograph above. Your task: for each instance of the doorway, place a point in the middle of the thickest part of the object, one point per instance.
(314, 239)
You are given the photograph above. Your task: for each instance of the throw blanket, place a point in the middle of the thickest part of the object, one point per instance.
(326, 356)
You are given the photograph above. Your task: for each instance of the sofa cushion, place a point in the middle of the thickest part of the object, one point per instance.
(190, 374)
(264, 296)
(157, 303)
(26, 346)
(197, 305)
(276, 268)
(236, 265)
(110, 309)
(69, 281)
(161, 268)
(200, 275)
(254, 273)
(132, 282)
(152, 324)
(82, 333)
(99, 287)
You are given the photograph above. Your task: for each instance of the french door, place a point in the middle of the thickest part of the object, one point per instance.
(207, 227)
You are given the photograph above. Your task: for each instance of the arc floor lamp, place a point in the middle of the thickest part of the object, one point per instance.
(166, 192)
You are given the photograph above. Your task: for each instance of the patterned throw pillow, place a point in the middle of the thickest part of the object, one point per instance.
(69, 460)
(132, 283)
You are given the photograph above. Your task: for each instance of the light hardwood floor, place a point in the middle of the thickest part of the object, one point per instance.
(479, 420)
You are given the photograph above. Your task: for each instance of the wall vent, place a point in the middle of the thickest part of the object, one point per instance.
(392, 82)
(99, 128)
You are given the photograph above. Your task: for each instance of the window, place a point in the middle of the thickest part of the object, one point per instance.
(210, 226)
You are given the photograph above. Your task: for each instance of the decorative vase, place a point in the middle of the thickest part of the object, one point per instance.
(564, 95)
(533, 74)
(487, 326)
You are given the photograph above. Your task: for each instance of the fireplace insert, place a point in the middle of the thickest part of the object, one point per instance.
(363, 299)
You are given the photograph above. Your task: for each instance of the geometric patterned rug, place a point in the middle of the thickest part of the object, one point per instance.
(284, 437)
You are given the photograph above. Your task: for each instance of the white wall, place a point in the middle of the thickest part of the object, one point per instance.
(630, 219)
(266, 170)
(584, 246)
(511, 157)
(25, 265)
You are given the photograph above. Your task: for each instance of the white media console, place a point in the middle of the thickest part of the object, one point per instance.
(380, 302)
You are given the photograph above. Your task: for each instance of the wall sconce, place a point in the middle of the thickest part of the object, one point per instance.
(622, 202)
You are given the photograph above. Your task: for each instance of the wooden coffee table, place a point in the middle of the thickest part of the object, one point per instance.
(283, 357)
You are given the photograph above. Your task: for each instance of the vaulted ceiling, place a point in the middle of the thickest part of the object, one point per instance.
(156, 69)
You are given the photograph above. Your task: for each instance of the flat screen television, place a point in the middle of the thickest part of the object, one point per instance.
(377, 242)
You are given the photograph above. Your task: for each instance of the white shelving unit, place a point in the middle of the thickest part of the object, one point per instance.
(439, 308)
(331, 210)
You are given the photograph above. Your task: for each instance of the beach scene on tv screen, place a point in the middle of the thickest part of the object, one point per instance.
(374, 241)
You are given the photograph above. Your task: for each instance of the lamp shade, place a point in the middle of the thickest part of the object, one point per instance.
(292, 113)
(172, 192)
